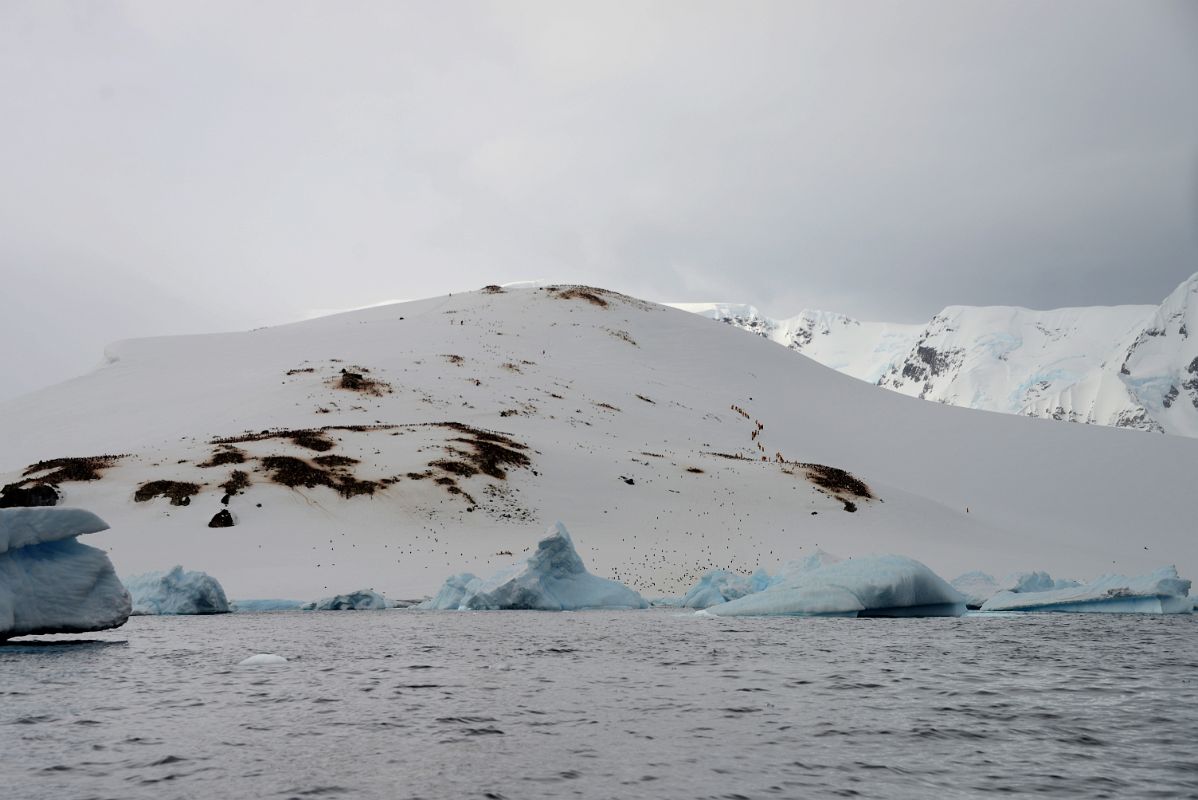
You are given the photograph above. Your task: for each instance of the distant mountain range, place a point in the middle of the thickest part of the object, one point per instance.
(1123, 366)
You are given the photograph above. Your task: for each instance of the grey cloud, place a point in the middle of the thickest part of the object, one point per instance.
(884, 160)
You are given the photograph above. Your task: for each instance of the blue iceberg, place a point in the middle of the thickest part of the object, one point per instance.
(50, 583)
(978, 587)
(1161, 592)
(721, 586)
(361, 600)
(176, 592)
(552, 579)
(872, 586)
(718, 586)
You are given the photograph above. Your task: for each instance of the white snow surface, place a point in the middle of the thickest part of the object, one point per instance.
(887, 585)
(1122, 366)
(361, 600)
(552, 579)
(594, 394)
(1160, 592)
(176, 591)
(50, 583)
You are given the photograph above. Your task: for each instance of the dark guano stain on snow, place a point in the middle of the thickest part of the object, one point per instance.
(65, 470)
(179, 492)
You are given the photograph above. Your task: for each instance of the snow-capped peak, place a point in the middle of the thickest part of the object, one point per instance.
(1125, 366)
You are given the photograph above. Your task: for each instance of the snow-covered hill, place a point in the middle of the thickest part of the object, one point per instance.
(1123, 366)
(393, 446)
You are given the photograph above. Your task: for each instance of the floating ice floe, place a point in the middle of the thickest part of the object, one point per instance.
(50, 583)
(1161, 592)
(552, 579)
(176, 592)
(262, 659)
(361, 600)
(872, 586)
(255, 606)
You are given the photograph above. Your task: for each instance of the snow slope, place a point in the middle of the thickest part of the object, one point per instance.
(1123, 366)
(635, 424)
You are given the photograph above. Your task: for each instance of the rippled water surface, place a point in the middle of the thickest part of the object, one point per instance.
(402, 704)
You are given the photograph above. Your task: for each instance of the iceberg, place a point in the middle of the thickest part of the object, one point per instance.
(256, 606)
(1024, 582)
(792, 569)
(361, 600)
(719, 586)
(977, 587)
(1161, 592)
(176, 592)
(50, 583)
(873, 586)
(453, 592)
(552, 579)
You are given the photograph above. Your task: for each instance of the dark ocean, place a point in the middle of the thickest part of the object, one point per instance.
(659, 703)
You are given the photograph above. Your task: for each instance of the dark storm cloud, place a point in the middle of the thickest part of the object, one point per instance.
(171, 166)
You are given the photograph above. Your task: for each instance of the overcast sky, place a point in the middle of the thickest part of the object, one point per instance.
(170, 167)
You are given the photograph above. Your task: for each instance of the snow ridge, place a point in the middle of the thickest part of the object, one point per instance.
(1121, 366)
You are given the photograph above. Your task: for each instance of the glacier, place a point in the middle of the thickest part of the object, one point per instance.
(552, 579)
(361, 600)
(176, 592)
(49, 582)
(1160, 592)
(871, 586)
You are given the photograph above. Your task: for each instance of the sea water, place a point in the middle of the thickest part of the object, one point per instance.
(658, 703)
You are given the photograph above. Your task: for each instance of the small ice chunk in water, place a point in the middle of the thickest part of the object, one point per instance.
(261, 659)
